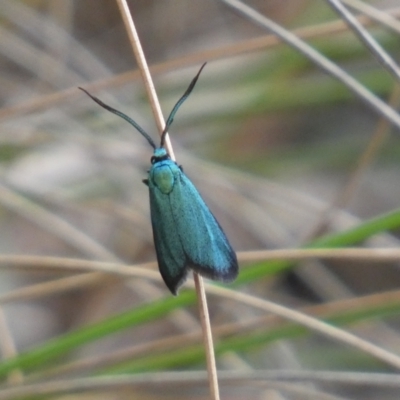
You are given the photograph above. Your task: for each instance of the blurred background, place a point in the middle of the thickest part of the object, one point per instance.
(270, 141)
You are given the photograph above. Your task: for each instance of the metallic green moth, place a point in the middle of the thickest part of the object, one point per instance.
(185, 232)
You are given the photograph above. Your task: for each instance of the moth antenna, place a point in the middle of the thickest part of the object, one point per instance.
(122, 115)
(170, 119)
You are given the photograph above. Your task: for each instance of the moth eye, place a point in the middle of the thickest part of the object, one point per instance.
(152, 159)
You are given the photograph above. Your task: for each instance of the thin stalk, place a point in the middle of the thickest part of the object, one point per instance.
(375, 48)
(145, 72)
(382, 16)
(207, 336)
(312, 323)
(324, 63)
(112, 384)
(201, 296)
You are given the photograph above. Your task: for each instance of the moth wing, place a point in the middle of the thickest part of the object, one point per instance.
(170, 255)
(204, 243)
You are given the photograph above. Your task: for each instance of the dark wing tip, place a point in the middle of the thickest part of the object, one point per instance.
(225, 275)
(233, 271)
(173, 283)
(230, 275)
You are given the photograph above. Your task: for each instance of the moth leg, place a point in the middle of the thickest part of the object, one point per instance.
(145, 181)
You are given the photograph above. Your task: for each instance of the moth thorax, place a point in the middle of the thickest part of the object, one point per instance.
(162, 176)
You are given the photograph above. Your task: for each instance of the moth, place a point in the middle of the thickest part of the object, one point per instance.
(186, 234)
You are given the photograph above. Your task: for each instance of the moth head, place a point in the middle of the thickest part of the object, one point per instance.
(160, 154)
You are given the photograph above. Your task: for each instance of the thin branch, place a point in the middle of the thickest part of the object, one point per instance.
(383, 17)
(145, 72)
(328, 66)
(312, 323)
(375, 48)
(207, 336)
(201, 296)
(183, 378)
(147, 270)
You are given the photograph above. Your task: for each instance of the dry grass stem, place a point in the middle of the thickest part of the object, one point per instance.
(157, 112)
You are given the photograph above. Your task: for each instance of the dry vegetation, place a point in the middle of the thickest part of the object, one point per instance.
(286, 157)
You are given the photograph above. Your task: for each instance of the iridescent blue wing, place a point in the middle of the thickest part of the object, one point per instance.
(170, 255)
(204, 243)
(187, 235)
